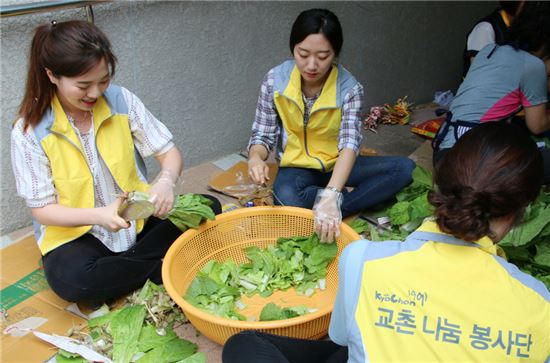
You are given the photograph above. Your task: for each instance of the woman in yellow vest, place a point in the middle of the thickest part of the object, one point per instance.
(78, 145)
(309, 109)
(442, 295)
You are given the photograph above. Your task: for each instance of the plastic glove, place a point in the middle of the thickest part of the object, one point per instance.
(258, 170)
(327, 214)
(109, 218)
(162, 194)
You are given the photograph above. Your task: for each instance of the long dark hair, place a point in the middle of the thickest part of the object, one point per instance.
(530, 31)
(495, 170)
(67, 49)
(315, 21)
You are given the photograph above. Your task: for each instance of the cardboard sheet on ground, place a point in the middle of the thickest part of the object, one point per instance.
(27, 302)
(235, 181)
(423, 155)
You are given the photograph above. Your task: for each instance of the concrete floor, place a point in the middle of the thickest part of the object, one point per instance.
(398, 139)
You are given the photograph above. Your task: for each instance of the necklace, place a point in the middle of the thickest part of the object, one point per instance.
(82, 124)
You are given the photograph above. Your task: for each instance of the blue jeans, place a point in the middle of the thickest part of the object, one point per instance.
(374, 179)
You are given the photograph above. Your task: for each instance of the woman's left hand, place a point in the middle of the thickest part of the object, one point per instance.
(162, 195)
(327, 214)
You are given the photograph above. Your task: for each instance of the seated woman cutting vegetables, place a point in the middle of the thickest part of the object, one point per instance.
(78, 145)
(309, 108)
(442, 295)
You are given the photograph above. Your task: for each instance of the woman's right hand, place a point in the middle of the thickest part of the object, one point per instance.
(109, 218)
(258, 170)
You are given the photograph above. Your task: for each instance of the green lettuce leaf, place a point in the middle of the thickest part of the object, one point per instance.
(189, 211)
(172, 351)
(272, 312)
(63, 356)
(149, 338)
(199, 357)
(125, 329)
(399, 213)
(359, 225)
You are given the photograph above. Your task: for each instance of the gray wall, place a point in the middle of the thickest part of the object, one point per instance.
(198, 65)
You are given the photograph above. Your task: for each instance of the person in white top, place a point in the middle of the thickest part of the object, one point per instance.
(77, 150)
(490, 30)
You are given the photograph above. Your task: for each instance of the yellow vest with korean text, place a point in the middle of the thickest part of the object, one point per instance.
(312, 145)
(436, 298)
(72, 177)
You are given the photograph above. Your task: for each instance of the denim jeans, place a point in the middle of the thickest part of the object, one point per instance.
(374, 179)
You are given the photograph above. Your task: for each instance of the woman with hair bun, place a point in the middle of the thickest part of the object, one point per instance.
(442, 295)
(76, 148)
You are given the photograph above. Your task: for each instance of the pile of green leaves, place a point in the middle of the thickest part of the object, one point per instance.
(412, 202)
(190, 210)
(299, 262)
(272, 312)
(141, 331)
(215, 289)
(162, 311)
(528, 245)
(406, 214)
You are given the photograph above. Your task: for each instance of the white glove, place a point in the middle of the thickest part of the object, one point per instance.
(162, 194)
(327, 214)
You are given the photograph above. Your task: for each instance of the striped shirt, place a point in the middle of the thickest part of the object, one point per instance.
(33, 175)
(267, 128)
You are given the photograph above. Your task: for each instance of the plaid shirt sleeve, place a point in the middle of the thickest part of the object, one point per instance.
(265, 128)
(352, 111)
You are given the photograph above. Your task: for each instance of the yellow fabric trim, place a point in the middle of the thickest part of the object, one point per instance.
(74, 185)
(505, 18)
(327, 98)
(486, 244)
(55, 236)
(293, 90)
(438, 285)
(101, 112)
(319, 143)
(62, 125)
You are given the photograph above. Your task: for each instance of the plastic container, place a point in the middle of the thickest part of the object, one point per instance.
(137, 205)
(226, 237)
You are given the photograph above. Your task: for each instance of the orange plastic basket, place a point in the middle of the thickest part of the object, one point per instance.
(227, 237)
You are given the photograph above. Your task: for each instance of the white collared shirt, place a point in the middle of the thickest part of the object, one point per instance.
(33, 174)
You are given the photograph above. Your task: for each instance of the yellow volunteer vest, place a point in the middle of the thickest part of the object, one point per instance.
(71, 174)
(314, 146)
(404, 316)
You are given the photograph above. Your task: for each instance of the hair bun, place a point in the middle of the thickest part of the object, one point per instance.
(493, 171)
(481, 204)
(464, 213)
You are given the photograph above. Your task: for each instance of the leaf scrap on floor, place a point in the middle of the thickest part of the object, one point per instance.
(140, 331)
